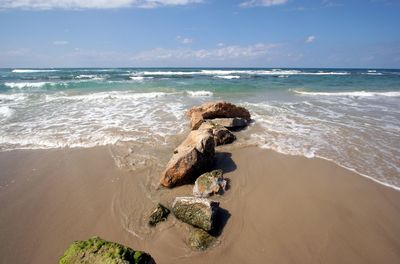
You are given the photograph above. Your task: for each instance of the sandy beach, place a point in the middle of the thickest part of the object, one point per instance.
(278, 209)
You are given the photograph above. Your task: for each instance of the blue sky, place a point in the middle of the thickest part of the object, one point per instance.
(200, 33)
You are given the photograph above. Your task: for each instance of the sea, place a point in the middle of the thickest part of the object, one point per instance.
(348, 116)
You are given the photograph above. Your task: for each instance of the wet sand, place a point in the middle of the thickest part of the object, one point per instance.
(279, 209)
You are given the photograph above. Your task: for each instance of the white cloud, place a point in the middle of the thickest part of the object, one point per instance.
(60, 42)
(252, 3)
(90, 4)
(217, 54)
(310, 39)
(184, 40)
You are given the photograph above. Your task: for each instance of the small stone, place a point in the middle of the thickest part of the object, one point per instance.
(200, 239)
(159, 214)
(198, 212)
(209, 183)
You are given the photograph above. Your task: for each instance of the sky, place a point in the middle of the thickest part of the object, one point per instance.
(200, 33)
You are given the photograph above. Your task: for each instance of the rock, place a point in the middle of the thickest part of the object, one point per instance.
(198, 212)
(209, 183)
(230, 122)
(193, 157)
(97, 250)
(221, 134)
(159, 214)
(219, 109)
(200, 239)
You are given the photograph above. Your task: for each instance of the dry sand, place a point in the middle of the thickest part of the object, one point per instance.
(279, 209)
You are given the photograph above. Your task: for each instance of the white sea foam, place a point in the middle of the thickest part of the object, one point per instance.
(350, 94)
(339, 131)
(86, 120)
(228, 77)
(5, 112)
(273, 72)
(140, 78)
(21, 85)
(103, 96)
(199, 93)
(32, 70)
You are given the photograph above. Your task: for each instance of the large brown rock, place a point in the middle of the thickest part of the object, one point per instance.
(219, 109)
(194, 156)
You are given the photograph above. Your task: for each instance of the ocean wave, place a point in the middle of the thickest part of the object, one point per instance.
(199, 93)
(21, 85)
(31, 70)
(350, 94)
(105, 96)
(89, 77)
(140, 78)
(273, 72)
(228, 77)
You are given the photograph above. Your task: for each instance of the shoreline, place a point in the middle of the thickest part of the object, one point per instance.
(75, 194)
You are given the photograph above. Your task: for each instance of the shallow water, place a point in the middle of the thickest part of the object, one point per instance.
(346, 115)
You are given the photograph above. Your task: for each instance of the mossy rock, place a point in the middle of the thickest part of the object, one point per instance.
(198, 212)
(200, 239)
(99, 251)
(159, 214)
(209, 183)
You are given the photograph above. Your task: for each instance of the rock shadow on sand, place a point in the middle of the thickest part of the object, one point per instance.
(221, 218)
(223, 161)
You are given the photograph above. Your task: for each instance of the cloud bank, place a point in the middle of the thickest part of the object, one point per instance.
(253, 3)
(91, 4)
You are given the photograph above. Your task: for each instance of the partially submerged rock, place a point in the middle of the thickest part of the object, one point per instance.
(190, 159)
(221, 134)
(97, 250)
(200, 239)
(209, 183)
(219, 109)
(159, 214)
(198, 212)
(230, 122)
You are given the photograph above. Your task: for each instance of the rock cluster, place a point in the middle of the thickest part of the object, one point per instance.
(211, 125)
(195, 155)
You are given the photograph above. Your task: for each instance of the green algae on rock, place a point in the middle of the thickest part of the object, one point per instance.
(159, 214)
(200, 239)
(198, 212)
(99, 251)
(209, 183)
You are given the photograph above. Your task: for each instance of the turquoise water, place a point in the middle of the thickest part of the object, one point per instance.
(350, 116)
